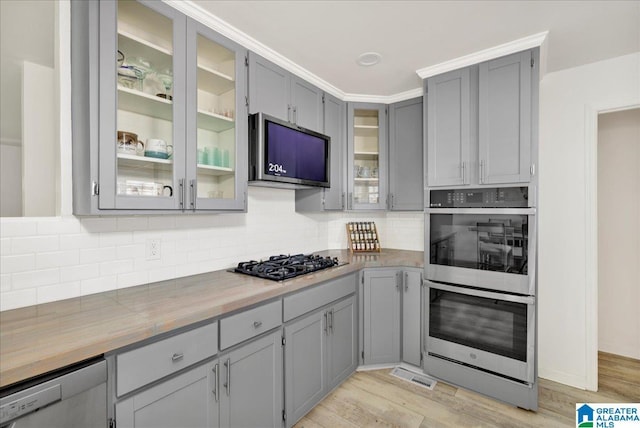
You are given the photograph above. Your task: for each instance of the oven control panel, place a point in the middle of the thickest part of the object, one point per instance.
(494, 197)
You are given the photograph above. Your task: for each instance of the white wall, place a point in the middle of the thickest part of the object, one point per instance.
(565, 98)
(619, 233)
(47, 259)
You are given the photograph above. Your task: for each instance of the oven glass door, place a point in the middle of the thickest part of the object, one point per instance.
(493, 331)
(482, 250)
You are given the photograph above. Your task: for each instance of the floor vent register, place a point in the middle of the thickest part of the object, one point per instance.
(417, 378)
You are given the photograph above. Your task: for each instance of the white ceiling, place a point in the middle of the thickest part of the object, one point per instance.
(326, 37)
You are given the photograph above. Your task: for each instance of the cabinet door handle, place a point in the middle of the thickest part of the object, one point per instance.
(464, 173)
(192, 188)
(326, 323)
(343, 197)
(216, 382)
(181, 185)
(177, 357)
(331, 320)
(227, 384)
(288, 112)
(295, 115)
(406, 281)
(257, 324)
(350, 201)
(482, 171)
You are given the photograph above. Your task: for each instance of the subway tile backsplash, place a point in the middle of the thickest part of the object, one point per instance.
(48, 259)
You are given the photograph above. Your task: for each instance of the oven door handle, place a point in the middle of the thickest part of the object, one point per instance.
(528, 300)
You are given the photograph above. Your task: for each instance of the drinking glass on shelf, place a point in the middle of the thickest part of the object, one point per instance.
(166, 78)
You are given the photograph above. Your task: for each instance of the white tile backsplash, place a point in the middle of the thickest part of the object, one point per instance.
(48, 259)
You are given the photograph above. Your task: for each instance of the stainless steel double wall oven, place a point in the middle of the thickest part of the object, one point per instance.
(481, 299)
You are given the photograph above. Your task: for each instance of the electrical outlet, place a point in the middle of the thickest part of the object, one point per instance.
(153, 249)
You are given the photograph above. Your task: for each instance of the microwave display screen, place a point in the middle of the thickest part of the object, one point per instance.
(291, 153)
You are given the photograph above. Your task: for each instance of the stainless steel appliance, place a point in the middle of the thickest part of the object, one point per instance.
(279, 268)
(73, 397)
(482, 238)
(490, 331)
(480, 305)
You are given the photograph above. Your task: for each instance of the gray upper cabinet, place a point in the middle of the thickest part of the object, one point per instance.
(251, 390)
(275, 91)
(406, 156)
(505, 119)
(333, 198)
(159, 114)
(411, 310)
(449, 133)
(367, 157)
(381, 298)
(479, 123)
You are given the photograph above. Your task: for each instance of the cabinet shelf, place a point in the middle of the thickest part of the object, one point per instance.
(366, 126)
(214, 81)
(214, 170)
(365, 179)
(134, 161)
(133, 46)
(142, 103)
(366, 154)
(214, 122)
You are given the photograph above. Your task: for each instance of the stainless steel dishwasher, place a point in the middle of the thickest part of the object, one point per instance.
(73, 397)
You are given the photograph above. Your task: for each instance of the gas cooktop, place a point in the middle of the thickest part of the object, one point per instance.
(282, 267)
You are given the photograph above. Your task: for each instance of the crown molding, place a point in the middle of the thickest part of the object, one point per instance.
(224, 28)
(384, 99)
(518, 45)
(205, 17)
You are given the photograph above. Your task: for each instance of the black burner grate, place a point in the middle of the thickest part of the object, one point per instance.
(279, 268)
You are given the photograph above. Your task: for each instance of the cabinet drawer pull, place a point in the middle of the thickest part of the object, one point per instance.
(227, 384)
(177, 357)
(257, 324)
(216, 382)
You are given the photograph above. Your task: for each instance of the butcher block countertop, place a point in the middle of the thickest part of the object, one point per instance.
(37, 339)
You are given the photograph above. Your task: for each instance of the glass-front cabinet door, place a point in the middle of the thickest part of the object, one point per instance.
(367, 149)
(142, 124)
(173, 120)
(216, 120)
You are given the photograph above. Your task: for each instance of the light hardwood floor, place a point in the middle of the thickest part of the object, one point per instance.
(375, 398)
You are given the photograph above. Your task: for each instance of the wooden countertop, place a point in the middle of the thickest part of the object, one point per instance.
(41, 338)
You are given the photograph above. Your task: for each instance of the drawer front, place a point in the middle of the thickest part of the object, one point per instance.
(141, 366)
(250, 323)
(308, 300)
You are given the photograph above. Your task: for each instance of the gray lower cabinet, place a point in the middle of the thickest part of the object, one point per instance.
(411, 310)
(381, 328)
(275, 91)
(251, 390)
(320, 353)
(187, 400)
(406, 186)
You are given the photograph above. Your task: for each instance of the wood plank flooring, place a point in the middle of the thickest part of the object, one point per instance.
(375, 398)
